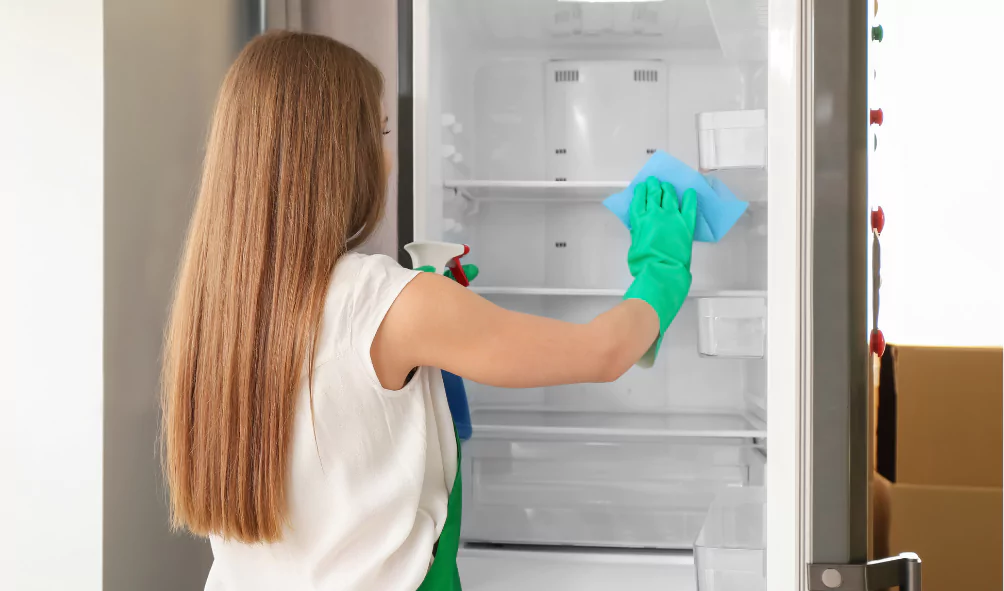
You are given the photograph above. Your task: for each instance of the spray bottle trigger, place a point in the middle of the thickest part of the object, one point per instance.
(457, 269)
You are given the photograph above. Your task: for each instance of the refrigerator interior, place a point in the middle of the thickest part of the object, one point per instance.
(537, 110)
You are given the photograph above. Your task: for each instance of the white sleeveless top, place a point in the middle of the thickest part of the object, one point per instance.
(367, 499)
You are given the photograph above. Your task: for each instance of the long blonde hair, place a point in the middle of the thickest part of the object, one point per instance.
(293, 178)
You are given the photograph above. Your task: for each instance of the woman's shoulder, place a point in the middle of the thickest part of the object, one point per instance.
(361, 290)
(356, 270)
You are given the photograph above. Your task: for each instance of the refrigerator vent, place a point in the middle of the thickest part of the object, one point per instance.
(646, 76)
(566, 76)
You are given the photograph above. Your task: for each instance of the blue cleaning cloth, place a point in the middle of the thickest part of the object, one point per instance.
(456, 397)
(717, 208)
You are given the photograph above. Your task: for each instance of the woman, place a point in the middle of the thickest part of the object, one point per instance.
(305, 431)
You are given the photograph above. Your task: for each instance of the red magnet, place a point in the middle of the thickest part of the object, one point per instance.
(878, 219)
(875, 117)
(877, 342)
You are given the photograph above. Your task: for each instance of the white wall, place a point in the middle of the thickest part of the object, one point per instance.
(938, 172)
(51, 169)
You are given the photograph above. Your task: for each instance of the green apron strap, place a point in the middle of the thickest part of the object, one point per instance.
(443, 574)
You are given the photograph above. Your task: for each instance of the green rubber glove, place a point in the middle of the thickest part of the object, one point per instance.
(470, 270)
(662, 237)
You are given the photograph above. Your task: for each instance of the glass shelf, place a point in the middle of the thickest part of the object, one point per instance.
(599, 426)
(573, 191)
(749, 184)
(561, 291)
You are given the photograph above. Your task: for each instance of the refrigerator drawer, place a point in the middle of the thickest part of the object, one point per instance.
(643, 494)
(582, 569)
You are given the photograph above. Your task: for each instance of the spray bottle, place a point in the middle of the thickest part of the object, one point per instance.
(442, 256)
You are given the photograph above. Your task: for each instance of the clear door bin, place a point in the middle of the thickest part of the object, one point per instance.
(730, 552)
(732, 139)
(731, 327)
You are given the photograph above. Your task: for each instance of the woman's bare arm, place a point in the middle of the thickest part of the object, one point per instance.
(435, 322)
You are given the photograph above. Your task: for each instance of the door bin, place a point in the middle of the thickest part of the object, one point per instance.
(730, 552)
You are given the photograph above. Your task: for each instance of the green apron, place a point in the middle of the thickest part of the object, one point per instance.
(443, 574)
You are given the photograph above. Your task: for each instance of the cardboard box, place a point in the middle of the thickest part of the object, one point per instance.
(938, 439)
(956, 531)
(939, 416)
(881, 520)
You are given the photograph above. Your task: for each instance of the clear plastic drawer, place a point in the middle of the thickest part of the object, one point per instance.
(730, 553)
(649, 494)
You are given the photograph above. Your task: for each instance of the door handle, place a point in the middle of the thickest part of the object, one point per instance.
(901, 571)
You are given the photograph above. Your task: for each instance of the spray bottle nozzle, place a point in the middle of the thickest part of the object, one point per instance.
(440, 256)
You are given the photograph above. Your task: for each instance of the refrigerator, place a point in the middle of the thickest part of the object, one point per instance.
(741, 460)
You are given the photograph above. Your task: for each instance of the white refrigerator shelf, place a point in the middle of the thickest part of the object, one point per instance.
(749, 184)
(595, 426)
(479, 190)
(610, 292)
